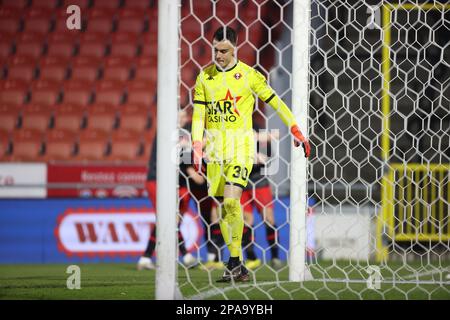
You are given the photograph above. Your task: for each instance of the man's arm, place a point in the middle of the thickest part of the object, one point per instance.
(266, 93)
(198, 122)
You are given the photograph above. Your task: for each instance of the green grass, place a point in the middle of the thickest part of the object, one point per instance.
(122, 281)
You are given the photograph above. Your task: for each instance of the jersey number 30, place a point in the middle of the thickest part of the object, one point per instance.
(240, 172)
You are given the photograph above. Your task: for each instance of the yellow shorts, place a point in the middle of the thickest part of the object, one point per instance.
(220, 174)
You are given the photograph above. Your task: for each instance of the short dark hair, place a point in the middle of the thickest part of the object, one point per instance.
(225, 33)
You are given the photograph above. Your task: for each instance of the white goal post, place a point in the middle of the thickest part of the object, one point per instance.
(167, 170)
(366, 216)
(168, 72)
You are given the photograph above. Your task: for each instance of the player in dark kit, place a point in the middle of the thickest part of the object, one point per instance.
(189, 260)
(258, 194)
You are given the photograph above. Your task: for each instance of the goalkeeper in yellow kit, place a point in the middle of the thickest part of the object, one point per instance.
(223, 105)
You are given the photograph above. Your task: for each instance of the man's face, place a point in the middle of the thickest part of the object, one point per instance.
(223, 53)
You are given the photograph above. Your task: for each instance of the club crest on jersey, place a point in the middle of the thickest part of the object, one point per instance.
(237, 76)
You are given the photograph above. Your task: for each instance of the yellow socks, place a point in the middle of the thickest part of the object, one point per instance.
(232, 226)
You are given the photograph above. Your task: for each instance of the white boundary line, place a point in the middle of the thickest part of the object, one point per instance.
(220, 291)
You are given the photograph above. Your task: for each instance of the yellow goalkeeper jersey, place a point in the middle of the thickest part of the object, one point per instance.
(223, 105)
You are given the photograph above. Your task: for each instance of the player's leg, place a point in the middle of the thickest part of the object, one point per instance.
(184, 197)
(236, 175)
(208, 209)
(145, 261)
(247, 208)
(264, 204)
(225, 182)
(247, 237)
(233, 218)
(248, 240)
(216, 185)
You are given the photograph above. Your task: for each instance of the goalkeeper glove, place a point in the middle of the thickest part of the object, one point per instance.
(198, 156)
(300, 139)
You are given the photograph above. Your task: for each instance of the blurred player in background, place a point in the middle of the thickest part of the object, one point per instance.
(258, 194)
(223, 104)
(197, 189)
(145, 261)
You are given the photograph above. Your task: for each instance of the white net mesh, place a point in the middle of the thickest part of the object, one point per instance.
(379, 182)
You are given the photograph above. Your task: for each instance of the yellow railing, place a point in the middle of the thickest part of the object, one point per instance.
(387, 229)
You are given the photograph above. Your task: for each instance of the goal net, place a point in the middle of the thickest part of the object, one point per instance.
(378, 179)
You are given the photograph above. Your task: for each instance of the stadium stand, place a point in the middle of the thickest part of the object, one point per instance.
(37, 117)
(27, 145)
(59, 145)
(101, 78)
(10, 117)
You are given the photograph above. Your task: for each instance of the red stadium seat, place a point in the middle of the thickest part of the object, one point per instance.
(69, 117)
(125, 37)
(149, 50)
(201, 9)
(255, 34)
(226, 10)
(189, 73)
(124, 49)
(131, 24)
(22, 70)
(94, 37)
(17, 4)
(45, 4)
(6, 46)
(150, 38)
(26, 145)
(32, 49)
(141, 92)
(184, 96)
(30, 36)
(117, 69)
(37, 12)
(130, 12)
(148, 139)
(53, 68)
(153, 24)
(146, 69)
(191, 29)
(45, 92)
(13, 92)
(37, 25)
(36, 117)
(92, 49)
(20, 60)
(137, 4)
(106, 4)
(9, 25)
(92, 145)
(134, 118)
(101, 117)
(116, 73)
(77, 92)
(4, 144)
(109, 92)
(99, 24)
(9, 117)
(59, 145)
(64, 49)
(125, 146)
(248, 14)
(93, 44)
(85, 69)
(247, 54)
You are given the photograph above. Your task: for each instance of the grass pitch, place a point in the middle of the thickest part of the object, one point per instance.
(339, 280)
